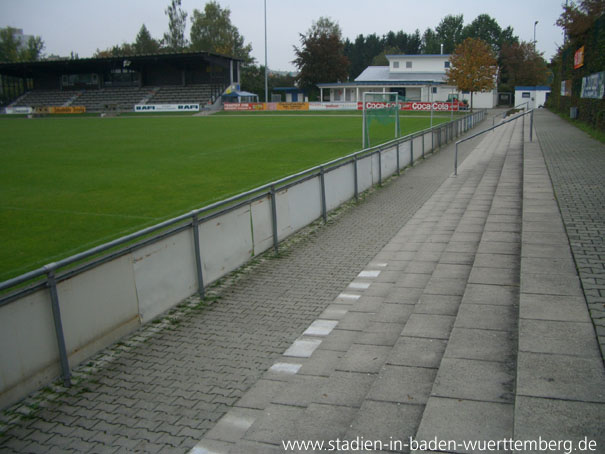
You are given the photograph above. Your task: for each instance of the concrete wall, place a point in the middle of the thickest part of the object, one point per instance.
(104, 303)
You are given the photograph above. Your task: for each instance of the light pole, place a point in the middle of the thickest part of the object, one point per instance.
(535, 23)
(266, 67)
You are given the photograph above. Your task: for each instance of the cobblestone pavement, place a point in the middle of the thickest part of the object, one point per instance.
(162, 388)
(576, 164)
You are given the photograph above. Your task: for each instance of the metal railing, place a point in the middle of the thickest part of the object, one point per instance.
(503, 122)
(77, 264)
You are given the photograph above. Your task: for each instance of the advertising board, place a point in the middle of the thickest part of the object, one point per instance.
(167, 108)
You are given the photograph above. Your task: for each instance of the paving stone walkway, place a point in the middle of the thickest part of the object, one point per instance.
(163, 388)
(576, 164)
(468, 326)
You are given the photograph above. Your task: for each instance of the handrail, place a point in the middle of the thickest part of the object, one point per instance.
(503, 122)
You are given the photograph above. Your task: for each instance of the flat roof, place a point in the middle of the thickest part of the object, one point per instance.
(535, 88)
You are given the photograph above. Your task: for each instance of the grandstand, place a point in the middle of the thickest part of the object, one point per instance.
(118, 83)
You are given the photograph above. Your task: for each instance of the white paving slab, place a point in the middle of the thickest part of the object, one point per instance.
(302, 348)
(320, 328)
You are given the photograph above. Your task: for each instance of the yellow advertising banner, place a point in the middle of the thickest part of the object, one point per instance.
(67, 109)
(292, 106)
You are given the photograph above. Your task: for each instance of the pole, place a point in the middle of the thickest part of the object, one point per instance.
(266, 67)
(535, 23)
(431, 101)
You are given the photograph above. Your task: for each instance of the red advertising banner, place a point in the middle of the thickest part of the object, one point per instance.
(415, 106)
(578, 58)
(244, 106)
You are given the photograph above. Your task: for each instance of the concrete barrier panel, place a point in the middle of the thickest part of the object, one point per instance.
(364, 173)
(29, 356)
(389, 162)
(164, 274)
(226, 243)
(262, 226)
(404, 154)
(304, 206)
(97, 302)
(340, 186)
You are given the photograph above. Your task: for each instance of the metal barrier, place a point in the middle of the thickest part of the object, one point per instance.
(107, 252)
(531, 127)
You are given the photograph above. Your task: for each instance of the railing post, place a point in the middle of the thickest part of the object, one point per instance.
(274, 219)
(355, 178)
(423, 134)
(324, 209)
(531, 126)
(379, 167)
(456, 160)
(398, 166)
(198, 253)
(54, 299)
(412, 152)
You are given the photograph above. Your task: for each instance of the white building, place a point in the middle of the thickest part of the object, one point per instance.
(534, 96)
(415, 77)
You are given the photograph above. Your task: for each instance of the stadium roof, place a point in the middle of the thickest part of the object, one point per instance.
(26, 69)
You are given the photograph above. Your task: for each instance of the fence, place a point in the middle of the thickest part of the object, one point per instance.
(81, 304)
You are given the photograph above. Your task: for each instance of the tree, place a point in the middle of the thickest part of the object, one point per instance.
(430, 42)
(12, 48)
(449, 32)
(212, 31)
(473, 67)
(177, 21)
(321, 55)
(577, 19)
(485, 28)
(144, 43)
(522, 65)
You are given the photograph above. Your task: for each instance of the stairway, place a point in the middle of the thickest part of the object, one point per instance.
(423, 345)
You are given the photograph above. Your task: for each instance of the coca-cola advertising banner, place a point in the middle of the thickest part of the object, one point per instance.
(418, 106)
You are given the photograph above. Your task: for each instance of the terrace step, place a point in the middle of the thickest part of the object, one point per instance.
(368, 366)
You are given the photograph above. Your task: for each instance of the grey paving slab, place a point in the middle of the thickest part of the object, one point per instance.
(364, 358)
(559, 420)
(561, 377)
(322, 363)
(557, 337)
(278, 422)
(480, 344)
(393, 313)
(403, 384)
(261, 394)
(438, 304)
(491, 294)
(553, 307)
(420, 352)
(347, 388)
(300, 391)
(386, 421)
(474, 421)
(429, 326)
(486, 316)
(494, 276)
(489, 381)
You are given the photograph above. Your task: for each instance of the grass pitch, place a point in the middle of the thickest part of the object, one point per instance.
(68, 184)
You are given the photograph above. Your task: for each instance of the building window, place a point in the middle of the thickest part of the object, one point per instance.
(395, 64)
(446, 64)
(434, 89)
(408, 64)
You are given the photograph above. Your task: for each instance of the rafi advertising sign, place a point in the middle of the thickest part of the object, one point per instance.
(167, 108)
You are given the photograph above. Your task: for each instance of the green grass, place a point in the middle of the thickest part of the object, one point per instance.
(68, 184)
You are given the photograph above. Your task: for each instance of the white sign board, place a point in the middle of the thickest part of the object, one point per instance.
(167, 108)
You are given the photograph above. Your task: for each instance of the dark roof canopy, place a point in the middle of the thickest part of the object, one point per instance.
(29, 69)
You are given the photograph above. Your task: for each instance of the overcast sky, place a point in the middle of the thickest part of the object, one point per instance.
(82, 26)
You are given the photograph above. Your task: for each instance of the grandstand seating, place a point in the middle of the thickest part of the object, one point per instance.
(39, 98)
(124, 98)
(121, 98)
(178, 94)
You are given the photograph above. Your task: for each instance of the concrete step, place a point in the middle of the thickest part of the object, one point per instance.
(472, 398)
(367, 365)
